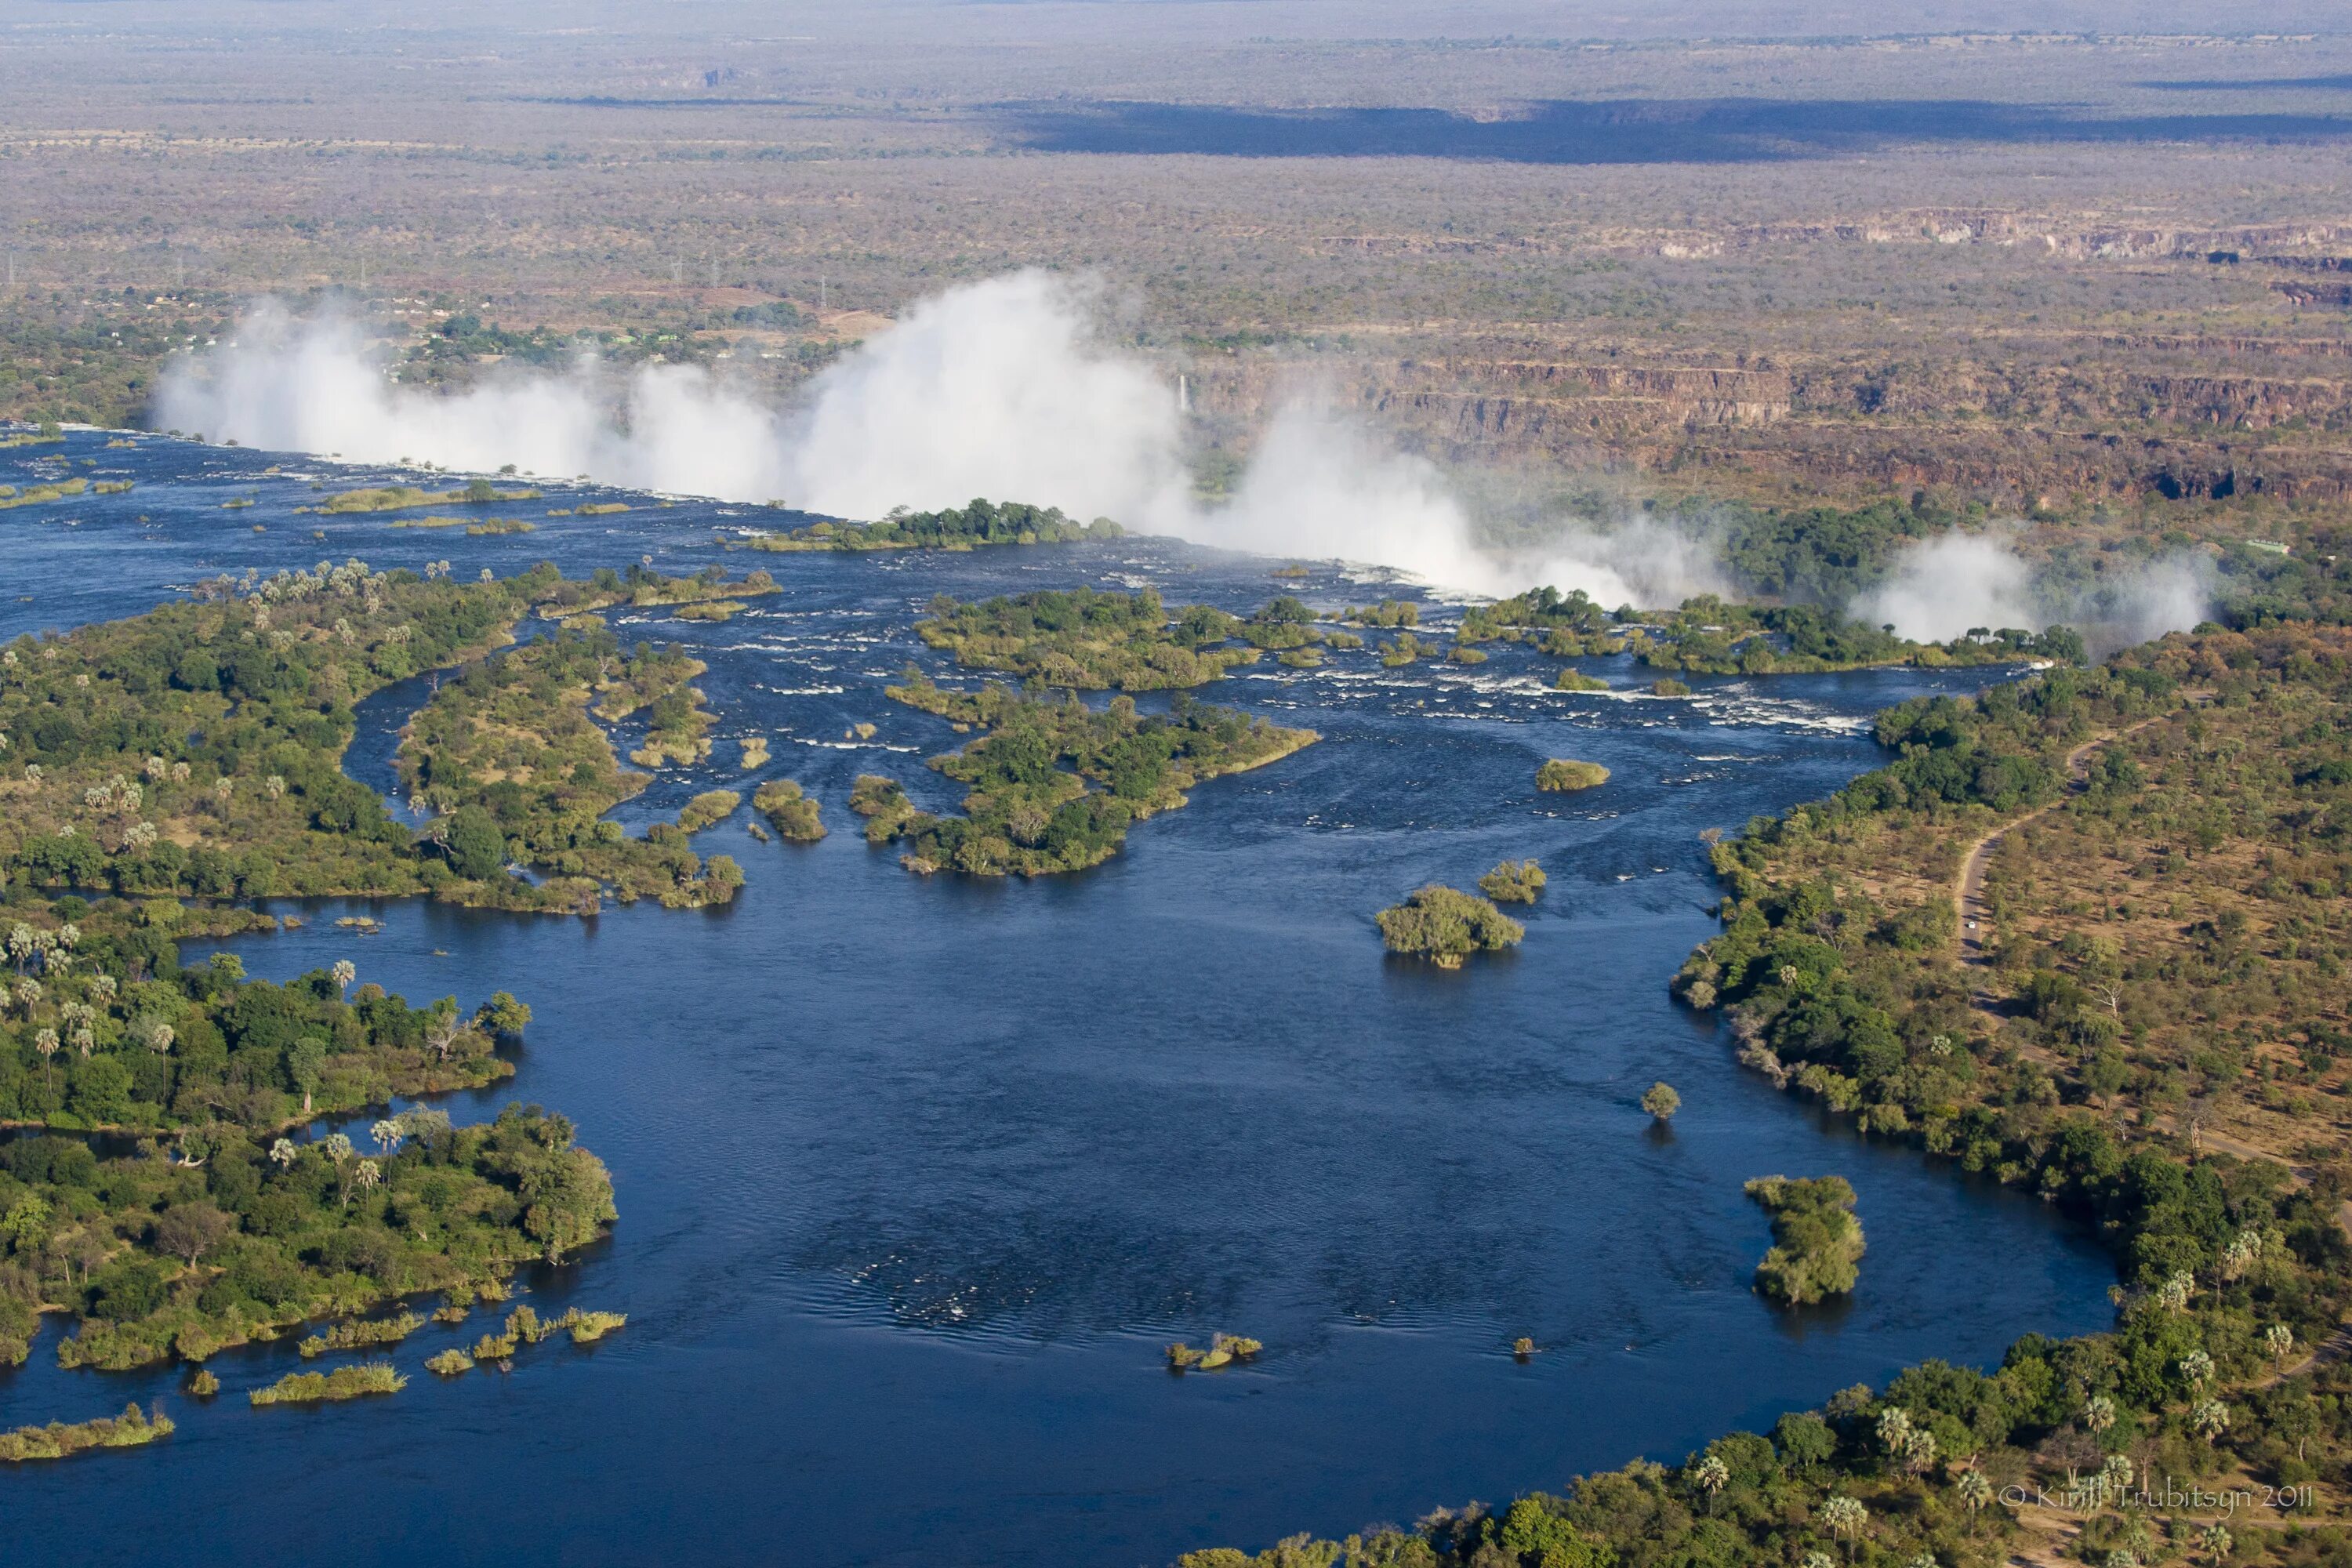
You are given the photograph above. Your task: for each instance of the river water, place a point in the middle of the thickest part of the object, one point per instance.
(917, 1177)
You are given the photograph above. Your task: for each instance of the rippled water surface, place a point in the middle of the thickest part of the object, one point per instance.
(917, 1177)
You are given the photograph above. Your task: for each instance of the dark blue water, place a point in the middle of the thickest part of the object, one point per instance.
(917, 1177)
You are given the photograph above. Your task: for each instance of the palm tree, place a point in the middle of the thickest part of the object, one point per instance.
(281, 1153)
(2210, 1417)
(2098, 1414)
(345, 972)
(2195, 1366)
(1712, 1475)
(369, 1176)
(2278, 1338)
(387, 1135)
(1975, 1493)
(1846, 1518)
(2215, 1539)
(45, 1042)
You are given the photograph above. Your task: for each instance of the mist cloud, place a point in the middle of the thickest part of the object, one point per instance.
(1003, 388)
(1946, 587)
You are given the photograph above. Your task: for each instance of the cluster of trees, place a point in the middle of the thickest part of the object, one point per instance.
(197, 748)
(1446, 925)
(1817, 1243)
(957, 527)
(507, 753)
(1712, 636)
(1087, 640)
(1513, 882)
(1028, 814)
(101, 1026)
(164, 1253)
(1838, 968)
(791, 812)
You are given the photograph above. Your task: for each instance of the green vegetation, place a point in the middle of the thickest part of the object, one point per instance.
(491, 527)
(523, 1327)
(195, 749)
(1712, 635)
(407, 498)
(962, 528)
(1576, 680)
(1090, 641)
(1387, 614)
(1025, 812)
(1667, 685)
(793, 814)
(1817, 1243)
(104, 1029)
(1223, 1352)
(1660, 1102)
(42, 494)
(1445, 926)
(1405, 650)
(57, 1440)
(709, 806)
(1513, 882)
(162, 1257)
(356, 1382)
(361, 1333)
(1560, 775)
(507, 753)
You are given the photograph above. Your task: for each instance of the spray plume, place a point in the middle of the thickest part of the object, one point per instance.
(1001, 388)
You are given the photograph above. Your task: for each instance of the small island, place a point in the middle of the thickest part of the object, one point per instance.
(1085, 640)
(407, 497)
(968, 527)
(1513, 882)
(1661, 1100)
(1561, 776)
(711, 805)
(1817, 1243)
(1446, 925)
(356, 1382)
(1223, 1352)
(1028, 815)
(791, 812)
(58, 1438)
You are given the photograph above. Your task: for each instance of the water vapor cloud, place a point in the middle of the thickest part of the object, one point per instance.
(1004, 388)
(1000, 388)
(1947, 587)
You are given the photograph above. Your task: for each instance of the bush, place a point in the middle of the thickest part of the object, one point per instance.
(1560, 775)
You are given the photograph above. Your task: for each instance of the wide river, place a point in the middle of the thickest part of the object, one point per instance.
(917, 1177)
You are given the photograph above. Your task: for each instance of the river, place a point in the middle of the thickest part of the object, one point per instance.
(917, 1175)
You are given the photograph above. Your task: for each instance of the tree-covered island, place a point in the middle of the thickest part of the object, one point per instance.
(1445, 925)
(968, 527)
(1087, 640)
(197, 748)
(1053, 785)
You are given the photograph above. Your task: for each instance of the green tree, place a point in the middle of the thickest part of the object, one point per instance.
(477, 849)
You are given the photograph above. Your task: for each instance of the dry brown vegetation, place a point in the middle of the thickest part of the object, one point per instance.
(2063, 271)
